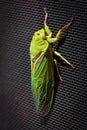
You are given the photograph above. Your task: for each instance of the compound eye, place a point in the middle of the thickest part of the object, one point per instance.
(38, 34)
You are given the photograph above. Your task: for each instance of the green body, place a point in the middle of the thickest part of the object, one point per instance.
(42, 68)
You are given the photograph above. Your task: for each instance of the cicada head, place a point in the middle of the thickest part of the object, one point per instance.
(39, 33)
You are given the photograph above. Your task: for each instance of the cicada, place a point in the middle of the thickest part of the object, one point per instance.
(42, 66)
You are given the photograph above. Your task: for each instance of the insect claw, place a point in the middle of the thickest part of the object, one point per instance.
(72, 66)
(72, 19)
(45, 10)
(61, 80)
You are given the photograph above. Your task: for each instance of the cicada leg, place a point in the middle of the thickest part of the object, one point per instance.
(58, 54)
(58, 70)
(46, 15)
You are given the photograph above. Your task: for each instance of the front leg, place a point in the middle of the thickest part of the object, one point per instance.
(59, 55)
(46, 27)
(46, 15)
(67, 25)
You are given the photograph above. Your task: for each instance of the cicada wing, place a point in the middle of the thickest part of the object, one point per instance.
(43, 84)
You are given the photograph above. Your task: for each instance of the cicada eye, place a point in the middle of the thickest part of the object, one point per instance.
(38, 34)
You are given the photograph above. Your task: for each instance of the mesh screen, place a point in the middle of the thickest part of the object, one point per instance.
(18, 21)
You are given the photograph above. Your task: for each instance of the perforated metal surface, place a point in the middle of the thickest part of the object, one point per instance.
(19, 20)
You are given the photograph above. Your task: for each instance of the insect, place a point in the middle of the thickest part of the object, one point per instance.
(42, 66)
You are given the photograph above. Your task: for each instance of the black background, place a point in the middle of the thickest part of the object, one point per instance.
(18, 21)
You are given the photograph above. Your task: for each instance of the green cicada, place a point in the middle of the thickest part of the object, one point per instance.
(42, 66)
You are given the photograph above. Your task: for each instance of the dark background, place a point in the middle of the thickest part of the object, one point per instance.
(18, 21)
